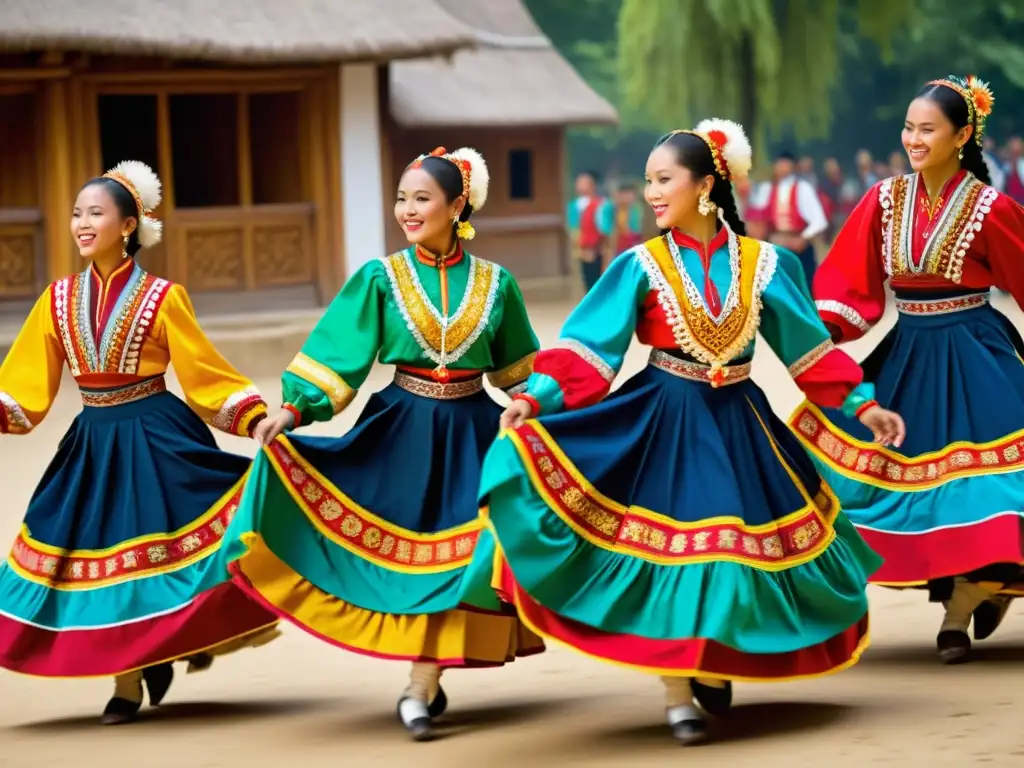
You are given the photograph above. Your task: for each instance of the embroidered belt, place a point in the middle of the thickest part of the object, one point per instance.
(92, 398)
(941, 306)
(685, 369)
(436, 390)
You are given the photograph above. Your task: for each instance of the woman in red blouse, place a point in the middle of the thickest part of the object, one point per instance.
(945, 509)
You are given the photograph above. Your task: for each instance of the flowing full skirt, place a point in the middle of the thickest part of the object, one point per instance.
(373, 541)
(950, 500)
(680, 530)
(110, 572)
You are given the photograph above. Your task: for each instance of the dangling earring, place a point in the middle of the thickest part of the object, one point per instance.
(124, 247)
(960, 154)
(704, 205)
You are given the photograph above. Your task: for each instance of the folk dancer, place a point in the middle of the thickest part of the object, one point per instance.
(945, 509)
(676, 526)
(368, 540)
(109, 574)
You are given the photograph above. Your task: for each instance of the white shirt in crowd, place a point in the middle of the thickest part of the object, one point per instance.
(807, 203)
(996, 173)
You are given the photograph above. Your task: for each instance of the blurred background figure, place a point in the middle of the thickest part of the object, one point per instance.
(790, 208)
(589, 220)
(628, 220)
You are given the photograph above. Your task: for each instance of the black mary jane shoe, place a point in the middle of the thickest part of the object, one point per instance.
(690, 732)
(158, 681)
(714, 701)
(414, 716)
(988, 616)
(437, 707)
(954, 646)
(120, 711)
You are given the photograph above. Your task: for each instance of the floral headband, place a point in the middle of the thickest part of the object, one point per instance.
(979, 100)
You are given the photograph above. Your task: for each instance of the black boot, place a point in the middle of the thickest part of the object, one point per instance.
(954, 646)
(989, 615)
(158, 681)
(120, 711)
(714, 701)
(437, 707)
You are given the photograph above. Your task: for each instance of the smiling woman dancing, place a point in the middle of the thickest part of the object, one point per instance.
(945, 511)
(676, 526)
(109, 573)
(368, 540)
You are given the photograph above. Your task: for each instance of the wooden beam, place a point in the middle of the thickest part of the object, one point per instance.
(57, 73)
(195, 76)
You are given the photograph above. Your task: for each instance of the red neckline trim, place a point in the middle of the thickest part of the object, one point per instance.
(423, 256)
(685, 241)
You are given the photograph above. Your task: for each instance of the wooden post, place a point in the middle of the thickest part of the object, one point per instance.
(57, 187)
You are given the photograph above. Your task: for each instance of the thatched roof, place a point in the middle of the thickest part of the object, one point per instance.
(252, 31)
(514, 77)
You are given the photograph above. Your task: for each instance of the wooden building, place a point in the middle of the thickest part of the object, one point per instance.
(261, 118)
(512, 98)
(271, 127)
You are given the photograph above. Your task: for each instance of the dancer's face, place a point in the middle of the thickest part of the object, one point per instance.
(672, 190)
(929, 138)
(423, 211)
(96, 223)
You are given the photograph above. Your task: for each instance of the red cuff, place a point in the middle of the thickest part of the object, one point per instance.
(831, 380)
(581, 383)
(251, 426)
(531, 401)
(847, 330)
(295, 414)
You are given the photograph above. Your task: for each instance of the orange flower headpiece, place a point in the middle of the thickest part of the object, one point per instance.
(145, 188)
(979, 100)
(729, 145)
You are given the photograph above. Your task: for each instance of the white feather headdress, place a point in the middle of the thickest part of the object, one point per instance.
(732, 144)
(479, 176)
(475, 177)
(145, 187)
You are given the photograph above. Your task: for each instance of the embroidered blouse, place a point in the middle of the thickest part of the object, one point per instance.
(421, 313)
(973, 239)
(115, 333)
(709, 304)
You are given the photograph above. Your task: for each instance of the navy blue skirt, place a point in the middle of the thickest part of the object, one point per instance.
(950, 500)
(111, 571)
(411, 460)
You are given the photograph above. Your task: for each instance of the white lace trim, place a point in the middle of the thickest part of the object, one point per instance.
(61, 301)
(591, 357)
(845, 311)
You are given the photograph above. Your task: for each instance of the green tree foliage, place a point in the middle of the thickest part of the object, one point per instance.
(772, 64)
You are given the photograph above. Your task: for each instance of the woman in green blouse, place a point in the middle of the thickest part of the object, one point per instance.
(374, 541)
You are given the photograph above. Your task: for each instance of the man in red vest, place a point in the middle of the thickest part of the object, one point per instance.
(791, 210)
(590, 221)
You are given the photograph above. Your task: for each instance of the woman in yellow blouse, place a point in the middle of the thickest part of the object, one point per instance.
(108, 575)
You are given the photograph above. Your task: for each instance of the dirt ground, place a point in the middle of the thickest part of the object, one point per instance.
(301, 702)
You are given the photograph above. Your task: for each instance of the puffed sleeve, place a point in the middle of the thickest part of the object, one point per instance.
(214, 389)
(849, 286)
(515, 344)
(1003, 233)
(31, 371)
(579, 370)
(791, 326)
(337, 357)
